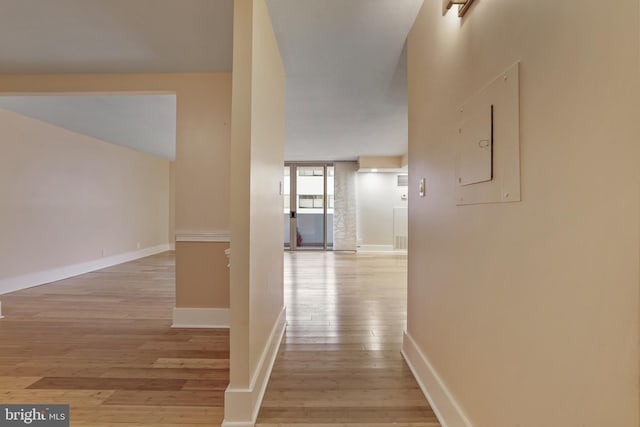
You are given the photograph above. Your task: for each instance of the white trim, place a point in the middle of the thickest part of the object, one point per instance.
(378, 249)
(40, 278)
(241, 405)
(444, 405)
(1, 316)
(227, 252)
(172, 246)
(203, 236)
(215, 318)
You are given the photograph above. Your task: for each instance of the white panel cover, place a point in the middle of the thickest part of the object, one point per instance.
(503, 93)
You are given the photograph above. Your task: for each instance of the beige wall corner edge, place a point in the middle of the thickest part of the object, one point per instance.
(404, 160)
(242, 405)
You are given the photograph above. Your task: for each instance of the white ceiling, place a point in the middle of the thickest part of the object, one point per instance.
(344, 60)
(145, 123)
(115, 36)
(346, 76)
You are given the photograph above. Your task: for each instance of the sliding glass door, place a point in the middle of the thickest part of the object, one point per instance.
(308, 206)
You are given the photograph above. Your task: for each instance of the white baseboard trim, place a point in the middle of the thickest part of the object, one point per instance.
(215, 318)
(377, 249)
(241, 405)
(40, 278)
(238, 424)
(444, 405)
(203, 236)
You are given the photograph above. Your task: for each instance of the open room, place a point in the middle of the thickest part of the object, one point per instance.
(321, 213)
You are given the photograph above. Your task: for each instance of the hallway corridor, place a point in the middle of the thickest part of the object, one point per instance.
(340, 361)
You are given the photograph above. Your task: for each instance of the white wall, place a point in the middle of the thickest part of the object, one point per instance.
(377, 195)
(528, 312)
(67, 199)
(201, 170)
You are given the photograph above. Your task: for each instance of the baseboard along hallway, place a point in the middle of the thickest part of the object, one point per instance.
(340, 362)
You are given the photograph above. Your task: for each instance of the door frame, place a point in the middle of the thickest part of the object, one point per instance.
(293, 202)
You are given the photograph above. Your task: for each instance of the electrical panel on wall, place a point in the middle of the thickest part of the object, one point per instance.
(476, 148)
(488, 159)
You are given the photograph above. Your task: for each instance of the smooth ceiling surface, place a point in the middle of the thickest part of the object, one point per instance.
(346, 76)
(115, 36)
(344, 59)
(144, 123)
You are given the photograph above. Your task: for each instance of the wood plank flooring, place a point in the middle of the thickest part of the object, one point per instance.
(340, 362)
(103, 343)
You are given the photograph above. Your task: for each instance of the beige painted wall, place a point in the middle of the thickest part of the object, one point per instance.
(202, 266)
(172, 203)
(379, 162)
(256, 206)
(202, 132)
(65, 197)
(267, 158)
(529, 311)
(202, 149)
(240, 208)
(404, 160)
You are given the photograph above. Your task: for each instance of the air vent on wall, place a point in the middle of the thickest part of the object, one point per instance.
(403, 180)
(400, 228)
(400, 243)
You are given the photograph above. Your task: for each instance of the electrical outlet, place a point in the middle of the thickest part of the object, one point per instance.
(138, 245)
(104, 252)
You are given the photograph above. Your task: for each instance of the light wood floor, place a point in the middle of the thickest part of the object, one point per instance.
(103, 343)
(340, 362)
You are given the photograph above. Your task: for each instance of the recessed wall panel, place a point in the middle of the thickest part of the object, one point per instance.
(488, 159)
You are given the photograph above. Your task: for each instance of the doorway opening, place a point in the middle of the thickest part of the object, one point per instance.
(309, 198)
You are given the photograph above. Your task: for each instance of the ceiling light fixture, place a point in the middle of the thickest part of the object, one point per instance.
(463, 5)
